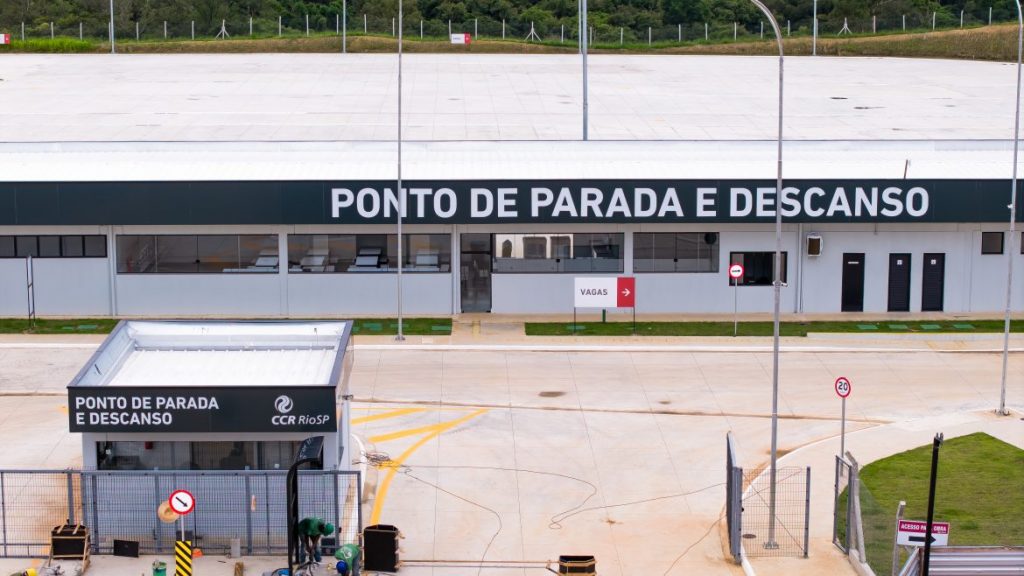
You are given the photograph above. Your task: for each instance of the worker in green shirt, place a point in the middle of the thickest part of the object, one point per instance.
(309, 531)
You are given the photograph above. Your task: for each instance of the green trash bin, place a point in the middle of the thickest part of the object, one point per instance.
(159, 568)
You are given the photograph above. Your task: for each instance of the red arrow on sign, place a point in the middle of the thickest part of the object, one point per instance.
(625, 292)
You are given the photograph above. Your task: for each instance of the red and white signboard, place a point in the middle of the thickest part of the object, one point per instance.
(912, 533)
(182, 502)
(843, 387)
(462, 38)
(736, 271)
(605, 292)
(5, 38)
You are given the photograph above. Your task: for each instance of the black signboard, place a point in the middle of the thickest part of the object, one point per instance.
(213, 409)
(502, 201)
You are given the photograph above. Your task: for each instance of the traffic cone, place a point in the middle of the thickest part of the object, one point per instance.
(197, 553)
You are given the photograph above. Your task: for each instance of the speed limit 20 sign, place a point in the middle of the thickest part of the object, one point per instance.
(843, 387)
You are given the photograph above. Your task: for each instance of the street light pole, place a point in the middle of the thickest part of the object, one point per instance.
(777, 283)
(583, 52)
(1013, 215)
(401, 196)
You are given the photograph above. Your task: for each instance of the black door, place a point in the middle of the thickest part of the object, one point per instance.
(853, 283)
(933, 282)
(475, 272)
(899, 282)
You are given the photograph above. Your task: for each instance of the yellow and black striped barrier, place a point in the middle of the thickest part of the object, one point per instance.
(183, 558)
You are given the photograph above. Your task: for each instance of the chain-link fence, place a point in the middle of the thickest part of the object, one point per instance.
(249, 506)
(787, 533)
(733, 499)
(842, 506)
(133, 21)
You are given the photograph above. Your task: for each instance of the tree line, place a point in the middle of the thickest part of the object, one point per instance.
(547, 16)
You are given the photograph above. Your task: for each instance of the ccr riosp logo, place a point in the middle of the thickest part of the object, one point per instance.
(283, 404)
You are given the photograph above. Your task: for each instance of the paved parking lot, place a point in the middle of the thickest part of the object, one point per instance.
(515, 456)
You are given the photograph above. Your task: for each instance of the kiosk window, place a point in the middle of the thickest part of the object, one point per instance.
(195, 254)
(682, 252)
(558, 253)
(340, 253)
(991, 242)
(52, 246)
(758, 267)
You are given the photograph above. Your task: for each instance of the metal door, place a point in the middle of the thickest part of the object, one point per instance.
(933, 282)
(475, 272)
(899, 282)
(853, 283)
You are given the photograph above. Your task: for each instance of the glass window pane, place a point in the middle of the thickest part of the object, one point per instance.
(475, 242)
(96, 246)
(26, 246)
(341, 250)
(49, 246)
(216, 254)
(176, 254)
(758, 267)
(258, 253)
(6, 246)
(991, 242)
(72, 246)
(136, 254)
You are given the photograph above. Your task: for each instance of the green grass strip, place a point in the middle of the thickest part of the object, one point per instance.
(744, 328)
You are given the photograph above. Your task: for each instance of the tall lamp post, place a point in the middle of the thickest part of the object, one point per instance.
(777, 285)
(1013, 215)
(401, 196)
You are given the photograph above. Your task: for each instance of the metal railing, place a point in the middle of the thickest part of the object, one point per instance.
(792, 514)
(122, 505)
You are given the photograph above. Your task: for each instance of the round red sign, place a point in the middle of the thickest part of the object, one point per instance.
(843, 387)
(735, 271)
(182, 502)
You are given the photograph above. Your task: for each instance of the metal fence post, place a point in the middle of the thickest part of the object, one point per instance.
(159, 525)
(475, 27)
(680, 32)
(51, 30)
(95, 518)
(364, 24)
(807, 513)
(80, 37)
(246, 504)
(71, 497)
(193, 29)
(250, 25)
(895, 535)
(22, 31)
(279, 26)
(337, 505)
(648, 35)
(136, 30)
(735, 30)
(307, 24)
(706, 37)
(165, 29)
(502, 27)
(3, 510)
(337, 24)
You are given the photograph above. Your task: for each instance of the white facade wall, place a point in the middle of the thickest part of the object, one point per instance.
(974, 283)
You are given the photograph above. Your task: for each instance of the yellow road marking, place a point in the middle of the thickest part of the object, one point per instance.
(385, 415)
(393, 465)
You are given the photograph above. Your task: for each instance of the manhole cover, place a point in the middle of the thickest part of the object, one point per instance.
(749, 536)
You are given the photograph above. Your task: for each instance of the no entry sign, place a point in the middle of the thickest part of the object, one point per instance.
(913, 532)
(605, 292)
(736, 271)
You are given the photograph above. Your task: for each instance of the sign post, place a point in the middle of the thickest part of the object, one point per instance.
(843, 390)
(735, 272)
(590, 292)
(182, 502)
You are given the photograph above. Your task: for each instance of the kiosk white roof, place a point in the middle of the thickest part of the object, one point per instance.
(214, 354)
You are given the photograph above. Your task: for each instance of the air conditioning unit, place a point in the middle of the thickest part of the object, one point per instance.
(814, 244)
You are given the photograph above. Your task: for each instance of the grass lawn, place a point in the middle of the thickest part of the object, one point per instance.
(383, 326)
(980, 492)
(762, 328)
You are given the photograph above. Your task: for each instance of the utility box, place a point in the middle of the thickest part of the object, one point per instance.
(380, 548)
(577, 565)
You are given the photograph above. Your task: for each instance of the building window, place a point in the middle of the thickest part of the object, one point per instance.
(49, 246)
(671, 252)
(196, 254)
(342, 253)
(991, 242)
(758, 267)
(558, 253)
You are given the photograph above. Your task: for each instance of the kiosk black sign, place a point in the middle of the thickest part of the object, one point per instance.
(186, 409)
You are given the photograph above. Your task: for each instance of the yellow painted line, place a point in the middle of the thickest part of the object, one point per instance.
(385, 415)
(435, 431)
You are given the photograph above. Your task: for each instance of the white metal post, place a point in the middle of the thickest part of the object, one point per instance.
(307, 24)
(679, 34)
(475, 28)
(165, 29)
(337, 24)
(193, 29)
(735, 30)
(706, 37)
(621, 36)
(904, 22)
(1013, 216)
(648, 35)
(933, 20)
(279, 26)
(961, 18)
(502, 28)
(874, 24)
(392, 27)
(583, 51)
(364, 24)
(814, 30)
(344, 26)
(735, 306)
(80, 36)
(842, 431)
(561, 37)
(136, 30)
(421, 29)
(401, 194)
(250, 25)
(113, 49)
(449, 27)
(789, 31)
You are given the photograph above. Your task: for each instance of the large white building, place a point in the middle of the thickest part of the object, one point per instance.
(264, 185)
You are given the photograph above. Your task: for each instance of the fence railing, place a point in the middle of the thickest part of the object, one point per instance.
(733, 499)
(246, 505)
(842, 505)
(789, 534)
